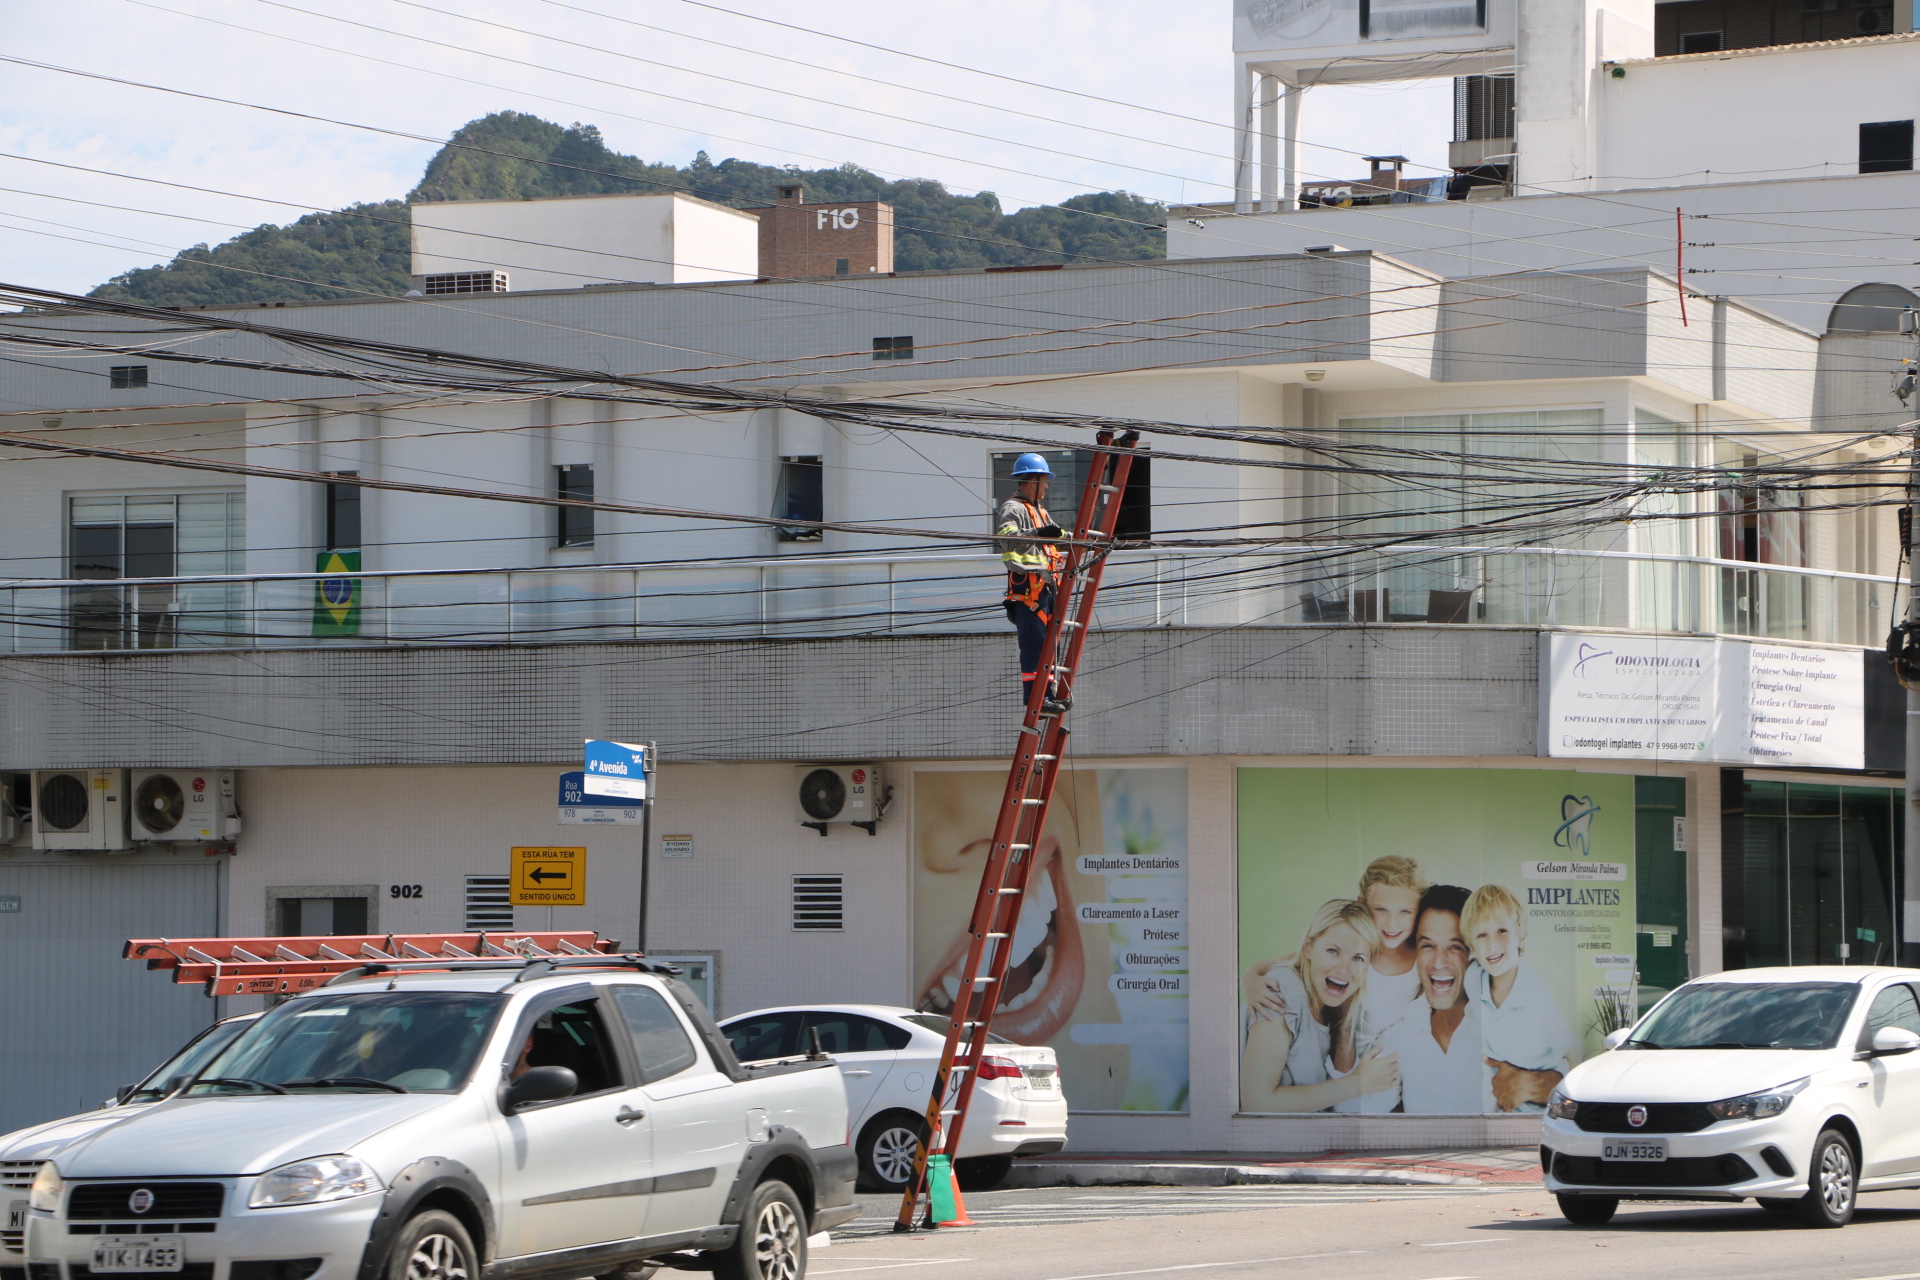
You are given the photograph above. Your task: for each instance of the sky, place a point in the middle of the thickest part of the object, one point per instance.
(663, 79)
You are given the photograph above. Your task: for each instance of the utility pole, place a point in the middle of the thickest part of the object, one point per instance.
(1907, 649)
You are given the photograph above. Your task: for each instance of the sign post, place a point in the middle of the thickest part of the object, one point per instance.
(619, 772)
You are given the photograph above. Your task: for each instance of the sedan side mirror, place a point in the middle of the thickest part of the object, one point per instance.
(541, 1084)
(1614, 1039)
(1891, 1040)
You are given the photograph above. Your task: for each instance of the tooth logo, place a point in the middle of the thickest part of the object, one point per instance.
(1576, 824)
(1587, 653)
(1637, 1116)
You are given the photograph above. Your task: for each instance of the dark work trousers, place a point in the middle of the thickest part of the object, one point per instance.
(1032, 630)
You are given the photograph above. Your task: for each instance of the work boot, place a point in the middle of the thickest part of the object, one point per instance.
(1054, 707)
(1063, 700)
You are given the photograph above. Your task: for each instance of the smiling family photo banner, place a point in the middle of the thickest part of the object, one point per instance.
(1099, 966)
(1428, 941)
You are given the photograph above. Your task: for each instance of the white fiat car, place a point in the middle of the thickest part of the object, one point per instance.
(887, 1056)
(1798, 1088)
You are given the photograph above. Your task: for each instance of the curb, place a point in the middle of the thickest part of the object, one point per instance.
(1087, 1173)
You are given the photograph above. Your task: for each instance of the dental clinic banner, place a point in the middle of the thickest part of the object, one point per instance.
(1429, 941)
(1621, 697)
(1099, 964)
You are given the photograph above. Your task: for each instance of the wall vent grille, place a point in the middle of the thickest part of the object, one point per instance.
(819, 903)
(487, 903)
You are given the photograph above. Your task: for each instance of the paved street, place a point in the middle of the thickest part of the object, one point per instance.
(1365, 1233)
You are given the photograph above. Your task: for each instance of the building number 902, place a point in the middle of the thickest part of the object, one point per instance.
(404, 891)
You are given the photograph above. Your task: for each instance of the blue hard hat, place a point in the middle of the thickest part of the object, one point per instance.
(1030, 464)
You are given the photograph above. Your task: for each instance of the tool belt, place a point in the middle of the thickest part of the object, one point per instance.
(1031, 590)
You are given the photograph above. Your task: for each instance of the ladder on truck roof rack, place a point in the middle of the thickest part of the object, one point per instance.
(285, 966)
(1023, 812)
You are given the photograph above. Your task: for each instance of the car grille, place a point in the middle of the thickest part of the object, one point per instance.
(108, 1201)
(1662, 1117)
(1688, 1171)
(17, 1175)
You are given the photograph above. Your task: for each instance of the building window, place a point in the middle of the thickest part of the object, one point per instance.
(575, 524)
(1070, 467)
(343, 512)
(489, 903)
(155, 535)
(1701, 42)
(317, 910)
(1886, 147)
(132, 377)
(900, 348)
(798, 496)
(464, 282)
(840, 268)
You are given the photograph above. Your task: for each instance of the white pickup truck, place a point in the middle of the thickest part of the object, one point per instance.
(497, 1120)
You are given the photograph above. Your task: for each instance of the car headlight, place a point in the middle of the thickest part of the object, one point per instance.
(314, 1181)
(47, 1186)
(1560, 1106)
(1757, 1106)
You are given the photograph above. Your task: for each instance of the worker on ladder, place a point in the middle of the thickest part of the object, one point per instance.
(1025, 534)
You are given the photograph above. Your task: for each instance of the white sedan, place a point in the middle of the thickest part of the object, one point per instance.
(1797, 1088)
(887, 1057)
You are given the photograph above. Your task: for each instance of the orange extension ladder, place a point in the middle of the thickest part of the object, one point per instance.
(283, 966)
(1023, 813)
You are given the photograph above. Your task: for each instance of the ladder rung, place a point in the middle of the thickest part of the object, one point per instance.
(1038, 756)
(981, 982)
(1031, 802)
(1109, 488)
(1022, 847)
(1065, 622)
(1007, 891)
(999, 935)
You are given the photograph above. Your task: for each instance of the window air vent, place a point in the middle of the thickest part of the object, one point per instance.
(488, 906)
(464, 282)
(819, 903)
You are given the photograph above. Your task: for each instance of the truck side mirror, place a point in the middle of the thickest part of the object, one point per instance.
(1614, 1039)
(541, 1084)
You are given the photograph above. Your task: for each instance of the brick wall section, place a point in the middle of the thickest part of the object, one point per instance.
(798, 238)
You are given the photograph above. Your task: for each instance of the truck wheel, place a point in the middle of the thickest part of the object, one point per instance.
(887, 1149)
(982, 1173)
(1588, 1211)
(1833, 1186)
(433, 1246)
(772, 1244)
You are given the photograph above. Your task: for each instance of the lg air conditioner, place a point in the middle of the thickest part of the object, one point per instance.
(79, 809)
(183, 806)
(850, 793)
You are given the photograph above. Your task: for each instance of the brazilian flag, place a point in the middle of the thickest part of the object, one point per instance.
(336, 601)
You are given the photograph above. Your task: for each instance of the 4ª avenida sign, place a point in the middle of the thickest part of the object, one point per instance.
(617, 769)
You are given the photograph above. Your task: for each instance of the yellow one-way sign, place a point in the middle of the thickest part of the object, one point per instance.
(549, 877)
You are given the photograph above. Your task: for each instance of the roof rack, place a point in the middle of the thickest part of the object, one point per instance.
(285, 966)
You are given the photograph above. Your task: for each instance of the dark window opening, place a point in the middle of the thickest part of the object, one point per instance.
(343, 513)
(799, 496)
(840, 266)
(575, 526)
(127, 377)
(1070, 467)
(1702, 42)
(1886, 147)
(900, 348)
(321, 917)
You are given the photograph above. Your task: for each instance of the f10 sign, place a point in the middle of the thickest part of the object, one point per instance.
(615, 769)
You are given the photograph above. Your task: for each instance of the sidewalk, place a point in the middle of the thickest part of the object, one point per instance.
(1477, 1167)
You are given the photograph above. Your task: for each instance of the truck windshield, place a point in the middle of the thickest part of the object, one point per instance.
(386, 1041)
(1748, 1015)
(189, 1060)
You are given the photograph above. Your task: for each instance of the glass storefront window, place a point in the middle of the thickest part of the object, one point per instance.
(1820, 873)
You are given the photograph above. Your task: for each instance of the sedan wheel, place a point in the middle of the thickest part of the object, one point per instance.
(888, 1148)
(1834, 1186)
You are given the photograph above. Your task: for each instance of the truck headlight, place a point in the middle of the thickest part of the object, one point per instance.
(1757, 1106)
(1560, 1106)
(47, 1186)
(314, 1181)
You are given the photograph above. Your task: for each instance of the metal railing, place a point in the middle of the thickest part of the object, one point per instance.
(943, 593)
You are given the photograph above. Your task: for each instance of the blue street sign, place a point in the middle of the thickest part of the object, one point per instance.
(578, 809)
(573, 795)
(615, 769)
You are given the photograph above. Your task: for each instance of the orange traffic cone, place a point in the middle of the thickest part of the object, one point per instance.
(959, 1218)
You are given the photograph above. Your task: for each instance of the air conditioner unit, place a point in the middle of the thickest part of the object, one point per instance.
(9, 818)
(76, 809)
(850, 793)
(191, 806)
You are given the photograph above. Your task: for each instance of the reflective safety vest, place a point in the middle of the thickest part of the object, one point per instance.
(1032, 566)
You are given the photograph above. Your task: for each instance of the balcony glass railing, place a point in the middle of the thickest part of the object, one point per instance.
(946, 593)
